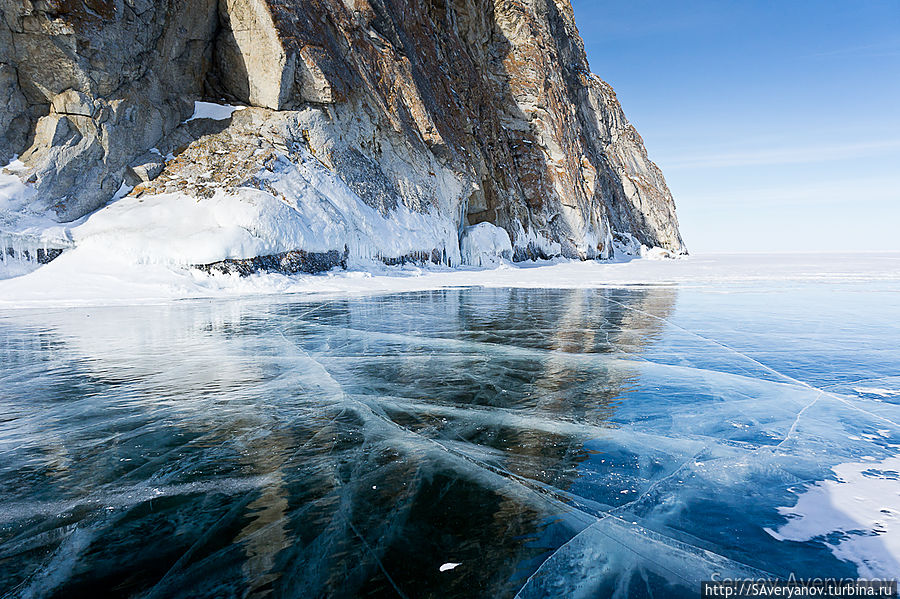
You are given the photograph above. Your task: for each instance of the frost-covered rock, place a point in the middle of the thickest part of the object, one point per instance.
(625, 244)
(657, 253)
(284, 202)
(484, 245)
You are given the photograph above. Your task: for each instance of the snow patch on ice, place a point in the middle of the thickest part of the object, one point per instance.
(656, 253)
(861, 507)
(877, 391)
(485, 245)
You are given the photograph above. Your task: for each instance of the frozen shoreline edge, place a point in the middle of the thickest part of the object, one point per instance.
(69, 281)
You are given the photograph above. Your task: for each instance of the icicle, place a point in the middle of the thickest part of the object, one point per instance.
(22, 253)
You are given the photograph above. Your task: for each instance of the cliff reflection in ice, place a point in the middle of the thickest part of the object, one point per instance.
(551, 442)
(333, 447)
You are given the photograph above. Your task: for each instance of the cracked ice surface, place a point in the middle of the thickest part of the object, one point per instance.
(622, 442)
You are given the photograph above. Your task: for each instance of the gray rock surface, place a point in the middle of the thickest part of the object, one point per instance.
(101, 82)
(483, 110)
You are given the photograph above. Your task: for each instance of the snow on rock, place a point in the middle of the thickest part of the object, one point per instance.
(28, 234)
(293, 206)
(210, 110)
(22, 215)
(626, 245)
(484, 245)
(657, 253)
(533, 246)
(14, 195)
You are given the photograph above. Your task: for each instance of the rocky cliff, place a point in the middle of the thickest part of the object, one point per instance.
(436, 115)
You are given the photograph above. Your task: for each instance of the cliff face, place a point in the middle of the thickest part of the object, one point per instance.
(469, 111)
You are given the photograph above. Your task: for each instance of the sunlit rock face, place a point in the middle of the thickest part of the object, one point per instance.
(469, 110)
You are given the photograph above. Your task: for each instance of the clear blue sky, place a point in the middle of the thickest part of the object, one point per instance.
(777, 124)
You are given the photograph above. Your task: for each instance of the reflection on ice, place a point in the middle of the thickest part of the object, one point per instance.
(540, 442)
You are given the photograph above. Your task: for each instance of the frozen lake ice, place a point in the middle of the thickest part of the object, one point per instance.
(624, 442)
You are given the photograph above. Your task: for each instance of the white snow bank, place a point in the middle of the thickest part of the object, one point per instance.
(216, 112)
(177, 229)
(881, 392)
(13, 266)
(25, 226)
(288, 206)
(14, 195)
(862, 506)
(304, 206)
(484, 245)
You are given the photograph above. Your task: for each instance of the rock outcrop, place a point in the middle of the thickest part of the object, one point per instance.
(473, 111)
